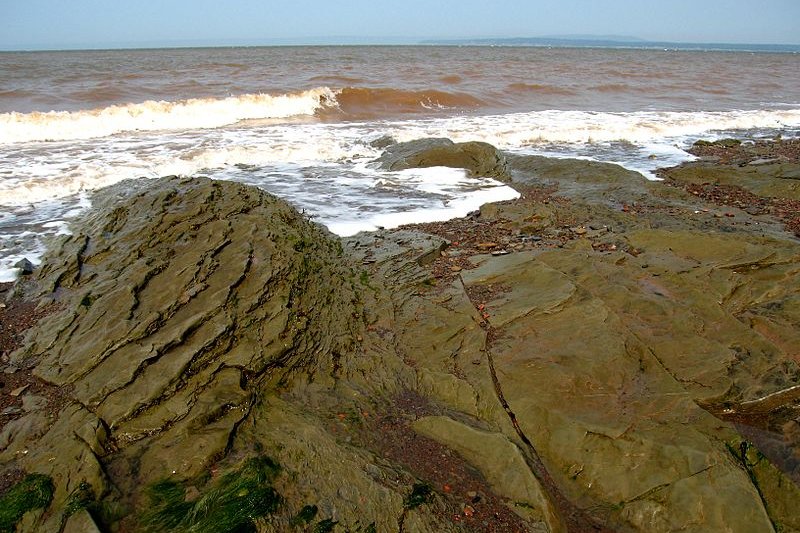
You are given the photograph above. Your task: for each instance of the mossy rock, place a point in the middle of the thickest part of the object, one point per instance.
(232, 504)
(723, 143)
(35, 491)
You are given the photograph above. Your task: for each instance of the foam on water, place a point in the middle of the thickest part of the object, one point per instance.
(25, 230)
(326, 169)
(35, 172)
(449, 193)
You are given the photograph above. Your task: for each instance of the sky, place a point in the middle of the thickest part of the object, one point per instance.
(64, 24)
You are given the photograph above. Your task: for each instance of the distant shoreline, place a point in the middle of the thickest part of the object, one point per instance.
(612, 44)
(508, 43)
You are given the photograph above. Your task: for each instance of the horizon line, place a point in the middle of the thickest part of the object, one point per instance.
(552, 41)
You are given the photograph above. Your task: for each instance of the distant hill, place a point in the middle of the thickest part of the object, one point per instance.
(612, 41)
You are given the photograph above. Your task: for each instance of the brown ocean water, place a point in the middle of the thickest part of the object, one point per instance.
(299, 121)
(380, 81)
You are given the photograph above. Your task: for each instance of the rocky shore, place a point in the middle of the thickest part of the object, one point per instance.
(603, 354)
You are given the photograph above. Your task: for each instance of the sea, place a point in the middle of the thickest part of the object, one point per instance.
(301, 122)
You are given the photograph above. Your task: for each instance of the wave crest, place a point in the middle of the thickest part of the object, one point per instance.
(196, 113)
(364, 102)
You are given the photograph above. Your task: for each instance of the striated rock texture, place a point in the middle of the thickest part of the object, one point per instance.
(179, 299)
(603, 354)
(170, 288)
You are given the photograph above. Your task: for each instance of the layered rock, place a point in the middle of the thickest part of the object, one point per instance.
(623, 360)
(180, 300)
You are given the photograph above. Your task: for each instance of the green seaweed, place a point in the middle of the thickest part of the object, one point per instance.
(231, 505)
(421, 493)
(325, 526)
(168, 506)
(33, 492)
(305, 515)
(81, 498)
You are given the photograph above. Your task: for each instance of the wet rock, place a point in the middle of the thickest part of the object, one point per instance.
(724, 143)
(499, 459)
(383, 142)
(478, 158)
(203, 323)
(16, 392)
(182, 295)
(81, 522)
(32, 402)
(766, 180)
(25, 267)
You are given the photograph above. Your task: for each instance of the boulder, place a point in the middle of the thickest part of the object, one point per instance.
(478, 158)
(177, 299)
(25, 267)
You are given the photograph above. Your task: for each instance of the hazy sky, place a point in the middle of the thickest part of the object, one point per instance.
(28, 24)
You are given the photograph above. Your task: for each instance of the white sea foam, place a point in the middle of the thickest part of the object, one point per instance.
(325, 168)
(40, 172)
(196, 113)
(450, 194)
(576, 127)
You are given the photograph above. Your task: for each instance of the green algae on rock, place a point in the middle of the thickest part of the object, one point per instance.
(35, 491)
(234, 503)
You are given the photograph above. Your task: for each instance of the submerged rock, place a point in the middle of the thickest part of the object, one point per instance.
(724, 143)
(478, 158)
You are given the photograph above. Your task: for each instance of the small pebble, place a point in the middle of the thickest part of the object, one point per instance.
(17, 392)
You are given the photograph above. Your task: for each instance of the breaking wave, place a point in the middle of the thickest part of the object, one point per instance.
(196, 113)
(363, 102)
(205, 113)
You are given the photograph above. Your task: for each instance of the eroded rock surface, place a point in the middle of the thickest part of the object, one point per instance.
(603, 354)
